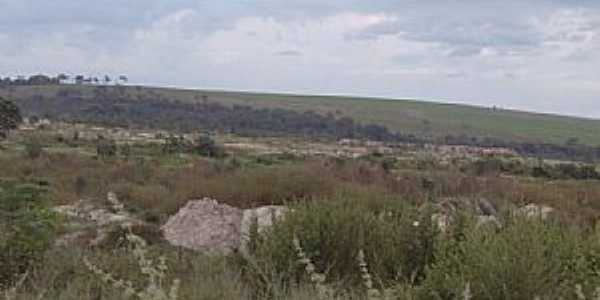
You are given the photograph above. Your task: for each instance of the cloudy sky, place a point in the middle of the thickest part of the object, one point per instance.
(535, 55)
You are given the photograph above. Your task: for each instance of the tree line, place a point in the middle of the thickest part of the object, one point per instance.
(569, 151)
(109, 107)
(41, 79)
(113, 107)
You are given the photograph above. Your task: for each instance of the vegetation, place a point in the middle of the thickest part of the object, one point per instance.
(406, 116)
(109, 108)
(363, 226)
(41, 79)
(27, 228)
(10, 116)
(526, 259)
(539, 169)
(245, 114)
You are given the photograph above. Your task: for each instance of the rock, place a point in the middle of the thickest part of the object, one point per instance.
(442, 221)
(91, 223)
(205, 225)
(116, 205)
(261, 217)
(103, 217)
(488, 222)
(486, 207)
(446, 210)
(451, 205)
(79, 237)
(535, 211)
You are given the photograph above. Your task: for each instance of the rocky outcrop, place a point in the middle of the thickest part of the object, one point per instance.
(205, 225)
(531, 210)
(89, 223)
(485, 212)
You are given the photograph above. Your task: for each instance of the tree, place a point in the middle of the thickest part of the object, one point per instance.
(62, 77)
(6, 81)
(79, 79)
(10, 116)
(123, 78)
(174, 144)
(106, 148)
(39, 79)
(572, 141)
(206, 146)
(33, 148)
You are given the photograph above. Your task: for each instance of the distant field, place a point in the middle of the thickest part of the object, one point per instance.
(406, 116)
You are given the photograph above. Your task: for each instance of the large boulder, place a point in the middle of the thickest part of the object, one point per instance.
(205, 225)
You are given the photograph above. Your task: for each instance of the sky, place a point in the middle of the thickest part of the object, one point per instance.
(536, 55)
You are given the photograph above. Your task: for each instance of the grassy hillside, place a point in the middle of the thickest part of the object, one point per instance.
(407, 116)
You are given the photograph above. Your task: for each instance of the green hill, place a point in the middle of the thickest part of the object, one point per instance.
(407, 116)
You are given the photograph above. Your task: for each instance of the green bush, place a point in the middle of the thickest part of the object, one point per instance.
(33, 148)
(524, 260)
(396, 239)
(206, 146)
(106, 148)
(27, 227)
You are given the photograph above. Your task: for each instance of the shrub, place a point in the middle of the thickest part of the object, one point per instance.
(174, 144)
(117, 236)
(27, 228)
(80, 185)
(395, 237)
(10, 116)
(524, 260)
(206, 146)
(154, 271)
(106, 148)
(33, 148)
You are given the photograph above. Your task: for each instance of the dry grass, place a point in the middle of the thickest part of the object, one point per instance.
(157, 188)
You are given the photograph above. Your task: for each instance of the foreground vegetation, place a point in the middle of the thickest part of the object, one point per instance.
(358, 227)
(343, 249)
(342, 207)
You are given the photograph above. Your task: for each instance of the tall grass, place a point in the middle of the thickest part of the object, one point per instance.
(332, 231)
(344, 248)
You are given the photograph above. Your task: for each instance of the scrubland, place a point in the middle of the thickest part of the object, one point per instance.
(360, 228)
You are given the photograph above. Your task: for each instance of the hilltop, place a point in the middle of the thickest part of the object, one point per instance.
(421, 118)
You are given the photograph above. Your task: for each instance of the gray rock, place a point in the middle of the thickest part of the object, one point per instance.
(205, 225)
(88, 220)
(261, 217)
(488, 222)
(535, 211)
(486, 207)
(442, 221)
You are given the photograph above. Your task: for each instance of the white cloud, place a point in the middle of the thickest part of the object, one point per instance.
(539, 55)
